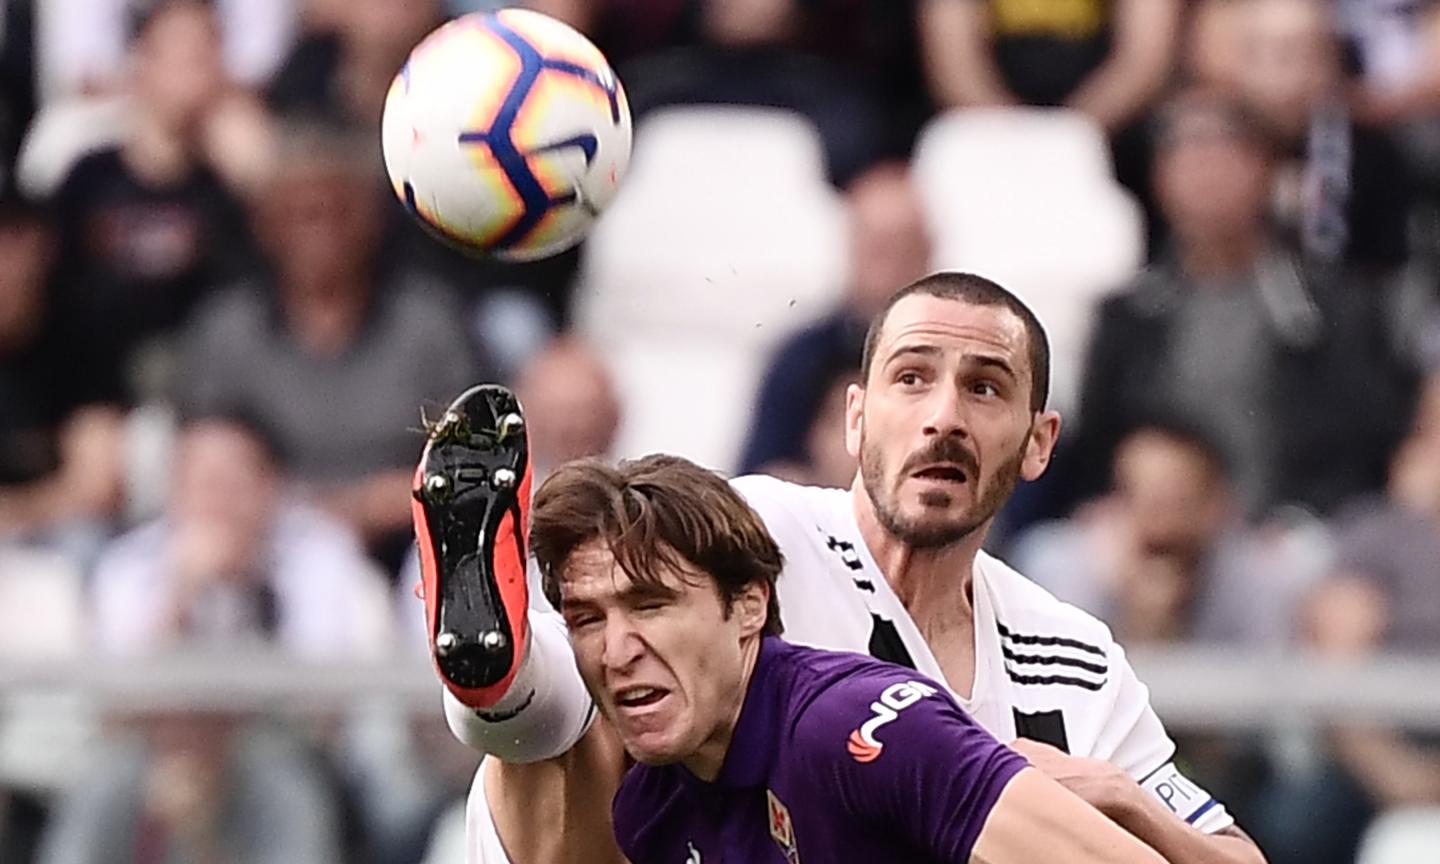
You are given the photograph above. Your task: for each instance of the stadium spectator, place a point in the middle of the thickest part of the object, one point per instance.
(1233, 331)
(1109, 59)
(82, 45)
(1340, 189)
(341, 69)
(236, 560)
(1382, 596)
(196, 788)
(60, 473)
(1165, 556)
(571, 404)
(752, 53)
(889, 246)
(339, 351)
(147, 228)
(825, 460)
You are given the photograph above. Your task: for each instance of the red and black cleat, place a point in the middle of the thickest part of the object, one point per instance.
(471, 510)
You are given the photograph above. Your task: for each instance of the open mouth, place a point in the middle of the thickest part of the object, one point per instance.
(639, 697)
(942, 473)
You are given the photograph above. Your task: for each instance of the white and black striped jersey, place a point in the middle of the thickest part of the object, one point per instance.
(1044, 670)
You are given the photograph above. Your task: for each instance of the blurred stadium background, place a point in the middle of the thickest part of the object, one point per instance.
(217, 329)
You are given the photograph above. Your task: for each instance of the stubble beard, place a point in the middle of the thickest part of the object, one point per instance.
(917, 534)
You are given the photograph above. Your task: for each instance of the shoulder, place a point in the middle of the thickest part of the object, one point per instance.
(836, 698)
(305, 532)
(132, 556)
(779, 500)
(1024, 606)
(1048, 643)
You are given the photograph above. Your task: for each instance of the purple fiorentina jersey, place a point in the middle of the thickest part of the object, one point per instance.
(836, 757)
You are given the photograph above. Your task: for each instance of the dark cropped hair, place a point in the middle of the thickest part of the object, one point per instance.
(976, 291)
(653, 513)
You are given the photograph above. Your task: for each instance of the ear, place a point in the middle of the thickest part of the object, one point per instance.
(854, 419)
(751, 606)
(1044, 431)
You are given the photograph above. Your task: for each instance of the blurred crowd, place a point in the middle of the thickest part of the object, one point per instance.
(218, 331)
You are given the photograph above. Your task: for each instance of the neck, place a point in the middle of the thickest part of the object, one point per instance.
(706, 761)
(159, 155)
(1221, 255)
(323, 324)
(934, 584)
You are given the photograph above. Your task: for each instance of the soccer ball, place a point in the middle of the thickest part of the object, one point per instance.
(506, 133)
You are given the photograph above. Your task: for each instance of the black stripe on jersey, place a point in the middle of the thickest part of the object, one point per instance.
(1053, 679)
(886, 644)
(1061, 641)
(1035, 660)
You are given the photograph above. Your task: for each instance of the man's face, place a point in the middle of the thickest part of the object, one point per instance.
(177, 65)
(1171, 492)
(317, 218)
(665, 662)
(1209, 178)
(943, 425)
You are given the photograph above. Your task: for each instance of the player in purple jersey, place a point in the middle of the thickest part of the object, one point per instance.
(752, 749)
(949, 415)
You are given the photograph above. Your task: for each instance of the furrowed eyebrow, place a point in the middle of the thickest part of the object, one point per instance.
(646, 591)
(919, 350)
(994, 363)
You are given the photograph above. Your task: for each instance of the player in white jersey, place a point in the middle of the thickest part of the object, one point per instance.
(949, 415)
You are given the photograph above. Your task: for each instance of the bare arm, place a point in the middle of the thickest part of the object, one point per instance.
(1140, 61)
(955, 48)
(558, 810)
(1112, 792)
(1036, 819)
(1146, 818)
(1392, 769)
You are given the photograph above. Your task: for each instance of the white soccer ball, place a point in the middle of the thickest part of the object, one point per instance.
(506, 133)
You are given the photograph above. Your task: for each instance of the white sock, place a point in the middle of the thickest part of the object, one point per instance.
(543, 713)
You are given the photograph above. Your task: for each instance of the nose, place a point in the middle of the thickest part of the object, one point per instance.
(945, 414)
(623, 644)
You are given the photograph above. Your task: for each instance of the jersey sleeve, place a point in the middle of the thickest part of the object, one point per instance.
(900, 754)
(1134, 739)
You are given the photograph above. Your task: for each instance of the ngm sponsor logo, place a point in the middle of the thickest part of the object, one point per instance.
(893, 699)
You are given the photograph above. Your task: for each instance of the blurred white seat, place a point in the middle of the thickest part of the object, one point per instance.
(725, 236)
(1405, 835)
(42, 603)
(1028, 197)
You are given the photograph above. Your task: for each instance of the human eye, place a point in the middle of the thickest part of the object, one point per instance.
(909, 378)
(986, 389)
(652, 604)
(581, 619)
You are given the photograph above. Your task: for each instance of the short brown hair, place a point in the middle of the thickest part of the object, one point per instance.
(658, 511)
(976, 291)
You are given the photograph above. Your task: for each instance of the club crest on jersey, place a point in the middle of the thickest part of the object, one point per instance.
(781, 828)
(863, 745)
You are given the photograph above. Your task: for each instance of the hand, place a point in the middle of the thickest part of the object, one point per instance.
(183, 794)
(1100, 784)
